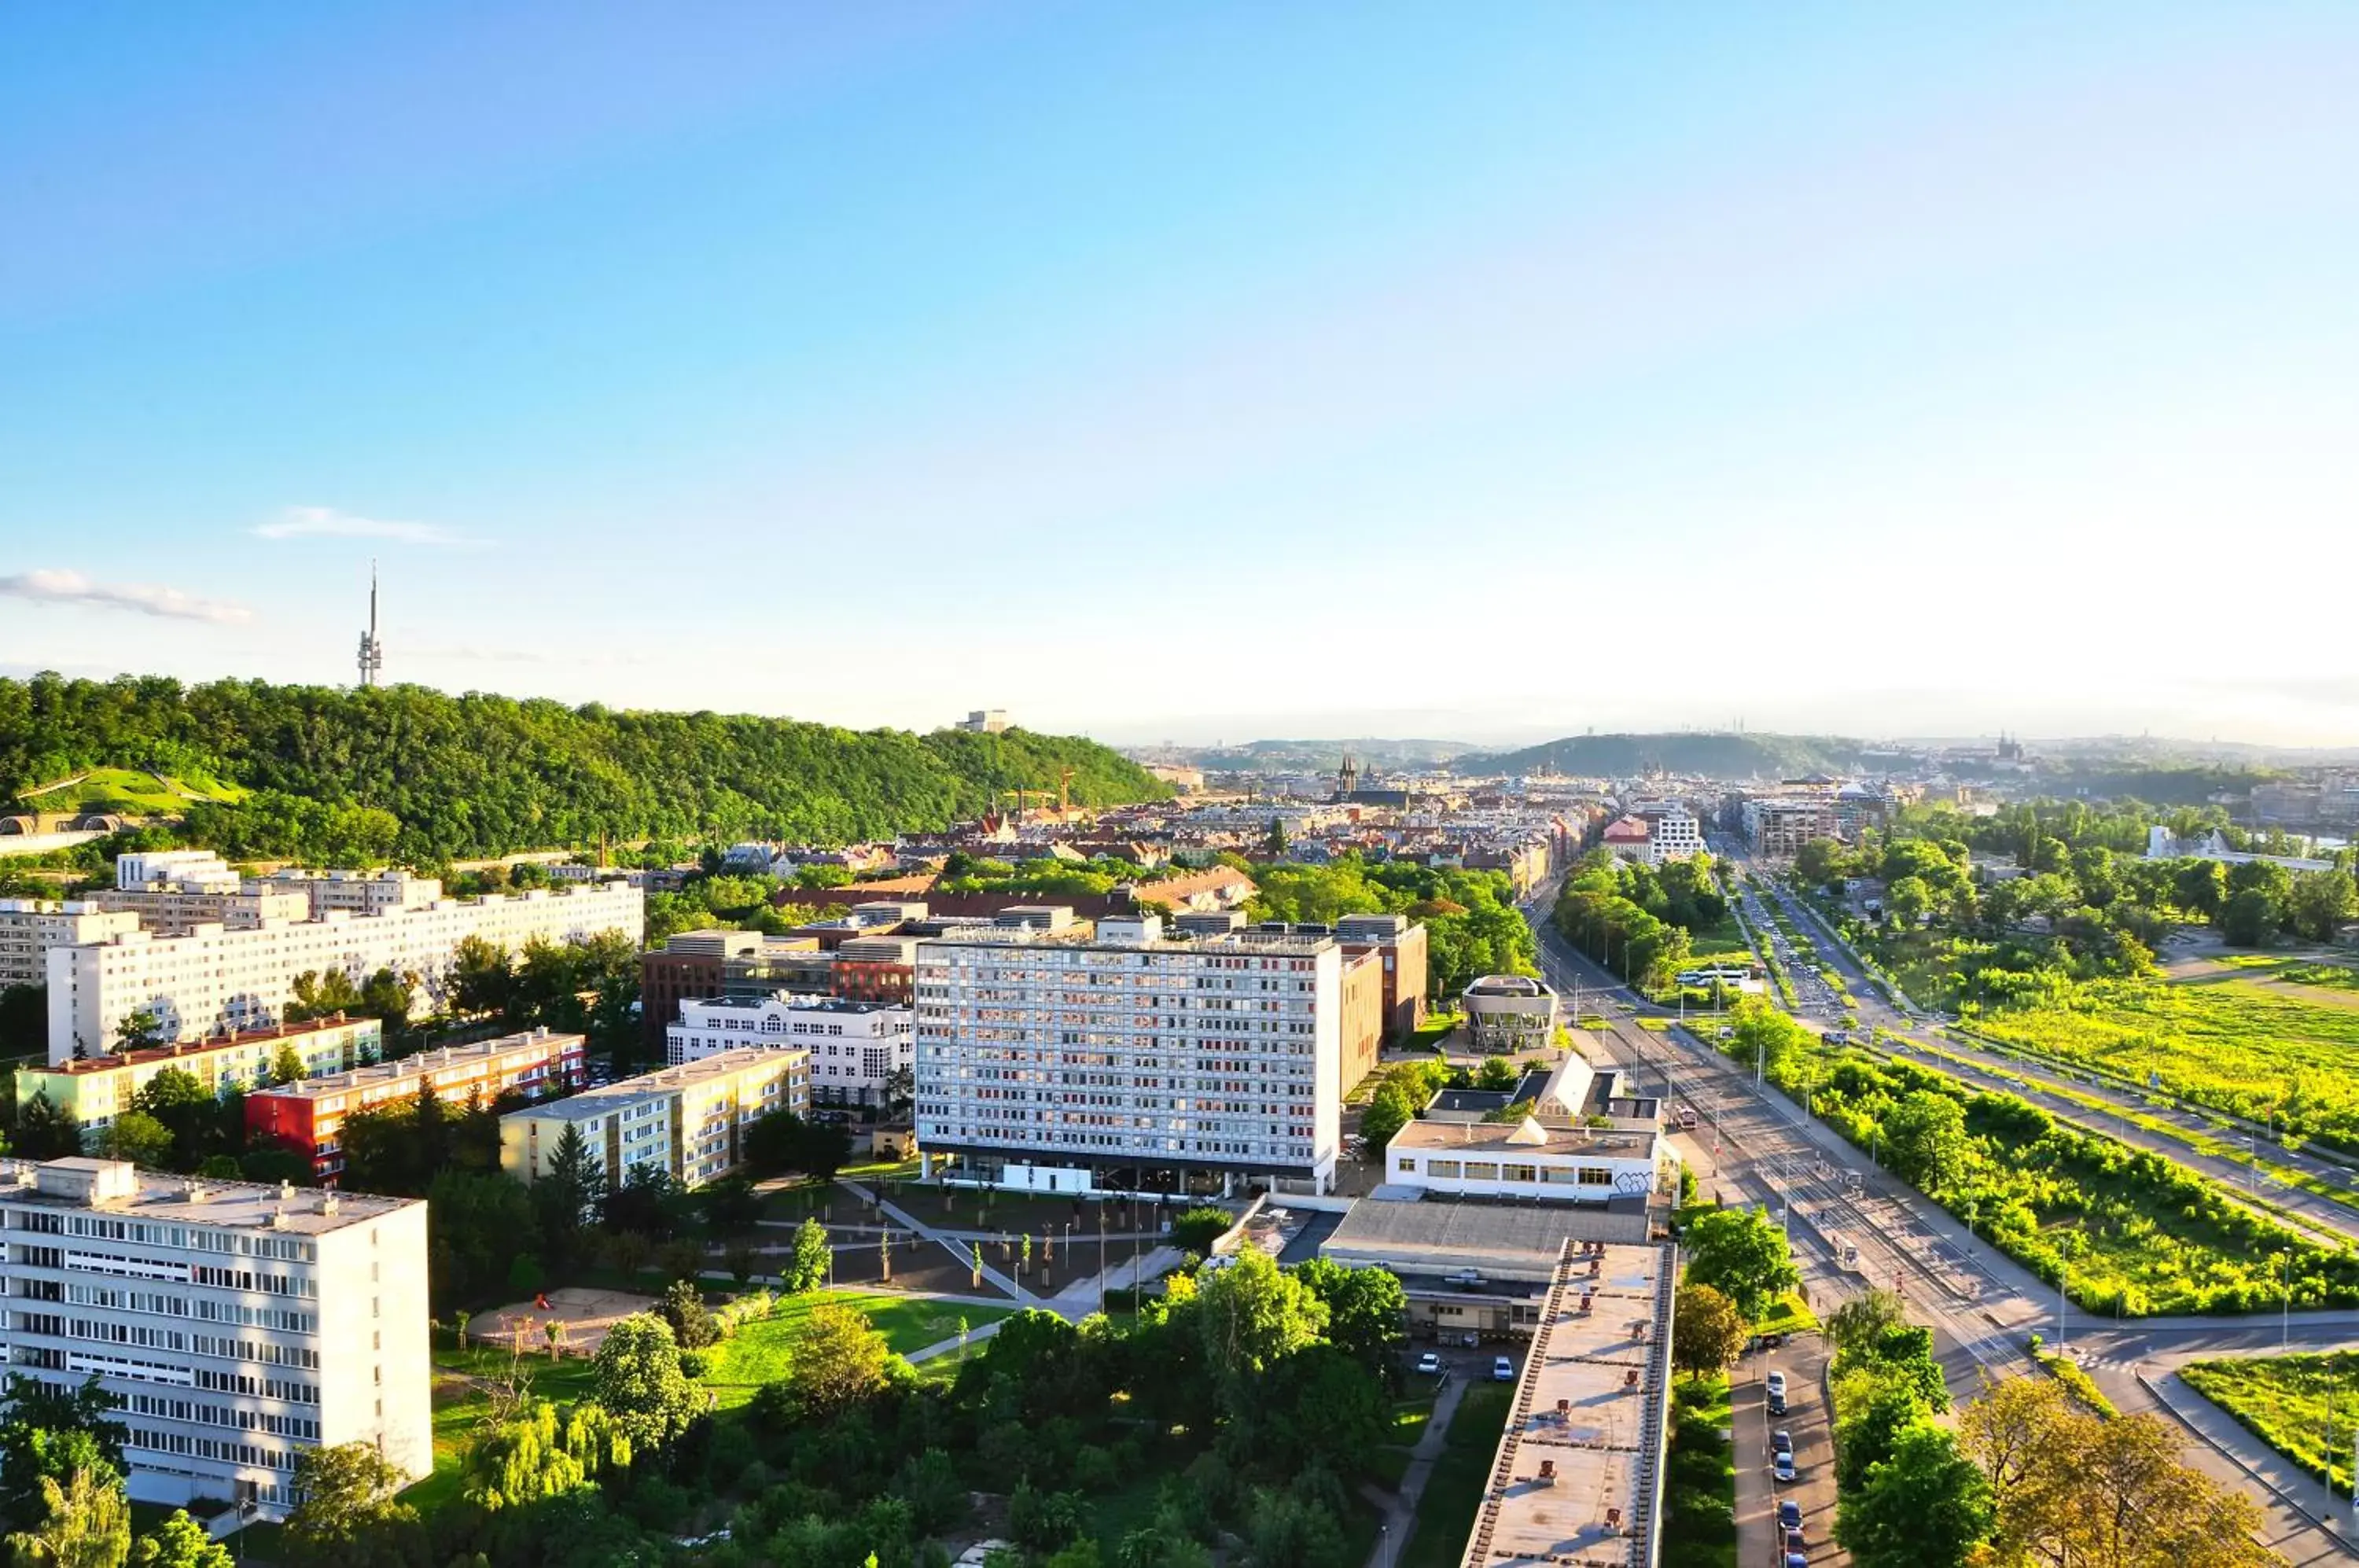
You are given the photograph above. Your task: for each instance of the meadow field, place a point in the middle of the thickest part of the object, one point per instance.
(2305, 1407)
(2258, 1042)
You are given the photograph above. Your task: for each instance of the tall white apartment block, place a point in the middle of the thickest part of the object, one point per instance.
(1062, 1062)
(215, 980)
(856, 1046)
(234, 1325)
(30, 927)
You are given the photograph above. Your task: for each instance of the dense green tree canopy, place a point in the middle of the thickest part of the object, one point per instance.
(422, 775)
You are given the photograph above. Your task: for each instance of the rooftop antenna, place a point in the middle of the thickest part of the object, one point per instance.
(372, 651)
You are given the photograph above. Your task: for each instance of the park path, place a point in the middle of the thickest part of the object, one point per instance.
(966, 1257)
(1401, 1513)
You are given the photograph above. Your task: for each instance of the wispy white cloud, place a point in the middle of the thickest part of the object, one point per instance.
(146, 598)
(326, 522)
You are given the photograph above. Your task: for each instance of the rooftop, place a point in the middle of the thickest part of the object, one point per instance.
(647, 1085)
(793, 1002)
(1577, 1473)
(417, 1067)
(1503, 1240)
(1526, 1136)
(117, 1187)
(181, 1049)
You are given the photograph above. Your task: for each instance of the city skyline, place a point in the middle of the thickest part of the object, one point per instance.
(1935, 342)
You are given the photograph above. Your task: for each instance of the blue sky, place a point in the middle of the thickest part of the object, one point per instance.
(1198, 372)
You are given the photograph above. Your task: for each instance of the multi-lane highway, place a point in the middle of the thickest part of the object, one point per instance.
(1852, 1225)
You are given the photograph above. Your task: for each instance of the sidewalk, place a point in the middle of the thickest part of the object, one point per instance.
(2265, 1467)
(1400, 1515)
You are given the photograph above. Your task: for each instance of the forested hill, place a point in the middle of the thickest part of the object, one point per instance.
(1712, 756)
(421, 776)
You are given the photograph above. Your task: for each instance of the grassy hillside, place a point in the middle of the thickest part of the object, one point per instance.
(1713, 755)
(135, 791)
(418, 775)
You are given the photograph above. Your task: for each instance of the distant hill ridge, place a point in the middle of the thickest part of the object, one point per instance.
(1726, 755)
(412, 773)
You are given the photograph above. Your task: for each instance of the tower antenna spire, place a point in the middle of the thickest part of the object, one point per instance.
(371, 660)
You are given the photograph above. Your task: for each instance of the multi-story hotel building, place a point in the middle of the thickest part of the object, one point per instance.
(29, 927)
(234, 1325)
(687, 1121)
(856, 1046)
(1782, 826)
(94, 1090)
(216, 979)
(309, 1117)
(1064, 1061)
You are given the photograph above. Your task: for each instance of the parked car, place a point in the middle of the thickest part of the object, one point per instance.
(1795, 1560)
(1789, 1515)
(1430, 1365)
(1777, 1389)
(1781, 1441)
(1503, 1369)
(1795, 1545)
(1781, 1465)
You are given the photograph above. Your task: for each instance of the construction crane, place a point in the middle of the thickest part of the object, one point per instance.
(1065, 794)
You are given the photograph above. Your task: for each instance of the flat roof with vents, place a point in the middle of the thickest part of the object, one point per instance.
(1577, 1478)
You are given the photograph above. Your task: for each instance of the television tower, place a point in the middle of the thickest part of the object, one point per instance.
(372, 650)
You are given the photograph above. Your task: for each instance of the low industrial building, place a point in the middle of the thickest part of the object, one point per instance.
(1523, 1158)
(234, 1326)
(1578, 1475)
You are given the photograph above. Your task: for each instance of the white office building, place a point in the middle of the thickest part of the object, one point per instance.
(234, 1325)
(856, 1046)
(1059, 1062)
(215, 980)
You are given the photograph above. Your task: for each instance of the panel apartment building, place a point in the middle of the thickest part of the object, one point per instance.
(94, 1090)
(215, 979)
(1051, 1059)
(856, 1046)
(234, 1325)
(309, 1118)
(688, 1121)
(29, 927)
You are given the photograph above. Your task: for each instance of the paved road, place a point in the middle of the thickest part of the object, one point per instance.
(1754, 1145)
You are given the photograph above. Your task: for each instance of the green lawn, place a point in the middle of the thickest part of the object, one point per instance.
(1454, 1493)
(1700, 1478)
(760, 1351)
(2285, 1401)
(757, 1356)
(459, 1410)
(1787, 1314)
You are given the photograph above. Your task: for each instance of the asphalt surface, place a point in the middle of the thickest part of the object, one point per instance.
(1851, 1227)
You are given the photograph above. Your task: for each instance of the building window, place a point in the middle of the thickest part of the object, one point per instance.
(1441, 1168)
(1408, 1162)
(1518, 1173)
(1596, 1176)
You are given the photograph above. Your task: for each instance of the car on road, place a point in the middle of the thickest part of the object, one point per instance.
(1789, 1515)
(1781, 1441)
(1796, 1544)
(1430, 1365)
(1781, 1465)
(1503, 1369)
(1776, 1384)
(1797, 1560)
